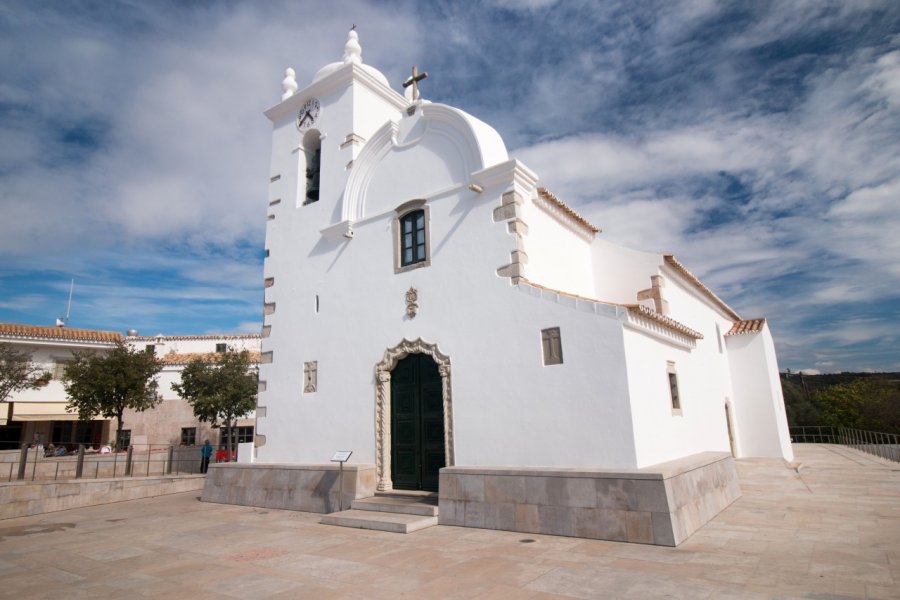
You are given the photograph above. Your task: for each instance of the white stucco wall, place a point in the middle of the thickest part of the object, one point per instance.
(46, 356)
(619, 272)
(508, 408)
(336, 299)
(557, 257)
(758, 401)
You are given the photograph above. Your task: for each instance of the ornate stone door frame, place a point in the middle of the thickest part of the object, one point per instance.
(383, 405)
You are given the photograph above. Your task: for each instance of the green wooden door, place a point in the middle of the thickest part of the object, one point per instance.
(417, 424)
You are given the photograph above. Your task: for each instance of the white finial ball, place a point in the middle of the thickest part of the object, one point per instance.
(288, 84)
(352, 49)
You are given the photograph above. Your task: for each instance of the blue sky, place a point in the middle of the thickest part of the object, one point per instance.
(757, 141)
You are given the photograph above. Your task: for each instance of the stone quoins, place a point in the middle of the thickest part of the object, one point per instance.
(510, 210)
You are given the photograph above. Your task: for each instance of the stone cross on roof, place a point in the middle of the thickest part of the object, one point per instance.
(414, 80)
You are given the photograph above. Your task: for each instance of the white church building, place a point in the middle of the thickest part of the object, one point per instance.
(431, 307)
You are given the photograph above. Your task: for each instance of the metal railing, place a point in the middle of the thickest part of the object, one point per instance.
(31, 463)
(884, 445)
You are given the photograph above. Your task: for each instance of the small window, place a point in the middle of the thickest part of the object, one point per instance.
(188, 436)
(673, 388)
(412, 241)
(242, 435)
(221, 348)
(719, 337)
(150, 348)
(125, 441)
(412, 246)
(552, 346)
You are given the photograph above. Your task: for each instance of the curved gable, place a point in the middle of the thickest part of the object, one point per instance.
(436, 148)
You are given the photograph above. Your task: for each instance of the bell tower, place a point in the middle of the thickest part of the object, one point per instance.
(318, 131)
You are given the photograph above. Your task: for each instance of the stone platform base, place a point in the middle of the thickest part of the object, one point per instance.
(26, 498)
(311, 488)
(663, 504)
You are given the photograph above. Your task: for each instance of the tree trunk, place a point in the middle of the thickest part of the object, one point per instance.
(119, 431)
(230, 427)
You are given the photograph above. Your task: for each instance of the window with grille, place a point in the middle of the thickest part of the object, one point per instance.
(242, 434)
(412, 244)
(412, 231)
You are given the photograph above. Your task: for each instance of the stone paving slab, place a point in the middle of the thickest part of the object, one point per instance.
(826, 527)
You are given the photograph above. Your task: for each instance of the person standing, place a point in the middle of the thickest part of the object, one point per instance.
(205, 454)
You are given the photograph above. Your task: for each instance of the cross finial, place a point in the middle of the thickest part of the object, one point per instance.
(353, 28)
(414, 80)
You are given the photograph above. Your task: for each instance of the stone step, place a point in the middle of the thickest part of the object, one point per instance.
(411, 505)
(379, 521)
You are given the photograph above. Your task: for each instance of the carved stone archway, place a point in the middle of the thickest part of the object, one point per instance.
(383, 404)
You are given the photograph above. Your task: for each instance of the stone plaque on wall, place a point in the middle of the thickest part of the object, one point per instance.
(310, 377)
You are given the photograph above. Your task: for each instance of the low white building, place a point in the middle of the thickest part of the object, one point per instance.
(173, 420)
(39, 415)
(431, 307)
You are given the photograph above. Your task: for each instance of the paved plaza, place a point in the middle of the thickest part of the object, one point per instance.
(828, 529)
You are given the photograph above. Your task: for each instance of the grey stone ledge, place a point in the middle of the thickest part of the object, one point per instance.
(666, 470)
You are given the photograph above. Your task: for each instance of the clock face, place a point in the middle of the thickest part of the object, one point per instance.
(308, 114)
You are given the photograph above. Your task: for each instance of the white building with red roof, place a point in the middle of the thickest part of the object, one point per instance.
(39, 415)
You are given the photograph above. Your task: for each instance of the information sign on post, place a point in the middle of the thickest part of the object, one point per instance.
(340, 457)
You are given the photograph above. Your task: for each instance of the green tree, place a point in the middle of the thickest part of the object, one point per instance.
(17, 372)
(220, 391)
(802, 409)
(862, 403)
(107, 384)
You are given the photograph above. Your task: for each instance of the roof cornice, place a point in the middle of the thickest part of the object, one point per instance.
(16, 331)
(679, 268)
(547, 200)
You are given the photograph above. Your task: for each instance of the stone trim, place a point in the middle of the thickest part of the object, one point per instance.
(383, 405)
(308, 488)
(655, 293)
(661, 505)
(400, 212)
(352, 139)
(510, 210)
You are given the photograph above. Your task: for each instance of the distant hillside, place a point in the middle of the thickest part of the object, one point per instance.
(868, 401)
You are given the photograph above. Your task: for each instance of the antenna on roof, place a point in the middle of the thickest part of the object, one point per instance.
(63, 321)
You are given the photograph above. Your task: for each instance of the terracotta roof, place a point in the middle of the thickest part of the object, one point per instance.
(748, 326)
(667, 322)
(40, 332)
(213, 336)
(548, 195)
(183, 359)
(673, 262)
